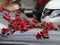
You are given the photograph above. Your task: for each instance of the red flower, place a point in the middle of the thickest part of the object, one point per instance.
(5, 30)
(38, 36)
(7, 16)
(1, 9)
(34, 20)
(45, 33)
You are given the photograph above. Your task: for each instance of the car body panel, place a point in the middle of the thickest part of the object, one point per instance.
(54, 17)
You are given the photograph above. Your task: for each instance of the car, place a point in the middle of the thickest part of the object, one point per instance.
(51, 13)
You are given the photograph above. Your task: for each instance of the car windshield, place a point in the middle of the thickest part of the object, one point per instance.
(51, 12)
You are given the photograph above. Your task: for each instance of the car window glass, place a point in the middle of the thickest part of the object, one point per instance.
(47, 12)
(55, 13)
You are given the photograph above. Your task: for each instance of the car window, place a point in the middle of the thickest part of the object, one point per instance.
(55, 13)
(47, 12)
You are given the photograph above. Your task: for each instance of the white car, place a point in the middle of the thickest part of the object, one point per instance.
(51, 13)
